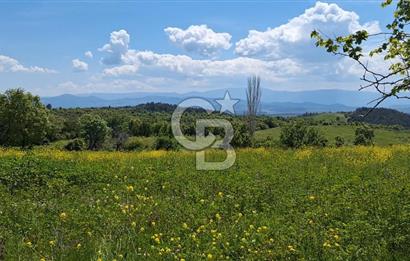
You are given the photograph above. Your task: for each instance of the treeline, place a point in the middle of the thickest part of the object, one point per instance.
(380, 116)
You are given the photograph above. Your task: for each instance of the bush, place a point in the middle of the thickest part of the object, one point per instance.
(297, 135)
(165, 143)
(339, 141)
(75, 145)
(364, 136)
(241, 136)
(133, 145)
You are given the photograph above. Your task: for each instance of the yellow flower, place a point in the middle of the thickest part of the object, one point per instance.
(42, 259)
(218, 216)
(185, 226)
(209, 256)
(133, 224)
(78, 246)
(311, 197)
(220, 194)
(63, 216)
(52, 242)
(326, 244)
(29, 244)
(291, 248)
(130, 188)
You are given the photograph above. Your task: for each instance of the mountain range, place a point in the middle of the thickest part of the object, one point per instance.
(272, 102)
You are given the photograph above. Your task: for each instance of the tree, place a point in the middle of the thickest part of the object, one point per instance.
(339, 141)
(241, 136)
(394, 46)
(24, 121)
(253, 98)
(297, 135)
(364, 136)
(94, 130)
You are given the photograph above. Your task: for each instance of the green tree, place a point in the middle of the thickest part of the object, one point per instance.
(24, 120)
(393, 45)
(364, 136)
(94, 130)
(297, 135)
(339, 141)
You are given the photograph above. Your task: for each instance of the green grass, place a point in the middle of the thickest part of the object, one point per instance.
(325, 204)
(383, 137)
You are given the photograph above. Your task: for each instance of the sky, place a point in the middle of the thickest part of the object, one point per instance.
(97, 46)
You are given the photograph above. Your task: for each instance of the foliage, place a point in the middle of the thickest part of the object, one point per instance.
(364, 136)
(311, 204)
(339, 141)
(241, 136)
(297, 135)
(380, 116)
(94, 130)
(394, 46)
(165, 143)
(75, 145)
(24, 120)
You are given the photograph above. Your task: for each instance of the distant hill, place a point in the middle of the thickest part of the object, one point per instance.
(382, 116)
(273, 102)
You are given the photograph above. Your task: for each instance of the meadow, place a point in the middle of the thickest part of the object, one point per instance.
(350, 203)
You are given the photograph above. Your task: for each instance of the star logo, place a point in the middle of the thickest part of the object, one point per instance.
(227, 103)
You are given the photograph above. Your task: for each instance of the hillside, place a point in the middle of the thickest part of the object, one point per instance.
(381, 116)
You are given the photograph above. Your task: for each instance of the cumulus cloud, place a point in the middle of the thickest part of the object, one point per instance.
(8, 64)
(79, 66)
(130, 62)
(293, 38)
(199, 39)
(116, 48)
(88, 54)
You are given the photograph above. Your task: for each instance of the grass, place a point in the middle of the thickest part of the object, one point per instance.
(324, 204)
(383, 137)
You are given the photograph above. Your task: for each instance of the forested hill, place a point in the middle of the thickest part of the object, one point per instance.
(382, 116)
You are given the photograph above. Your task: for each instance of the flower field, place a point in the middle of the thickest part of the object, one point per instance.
(312, 204)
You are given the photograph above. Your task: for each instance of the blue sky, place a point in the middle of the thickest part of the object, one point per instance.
(164, 46)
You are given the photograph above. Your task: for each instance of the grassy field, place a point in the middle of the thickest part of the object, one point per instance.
(383, 137)
(325, 204)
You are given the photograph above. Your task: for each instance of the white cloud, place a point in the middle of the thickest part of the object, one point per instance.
(79, 66)
(116, 48)
(199, 39)
(293, 38)
(8, 64)
(186, 66)
(88, 54)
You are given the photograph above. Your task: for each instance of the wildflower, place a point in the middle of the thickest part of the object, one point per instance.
(220, 194)
(326, 244)
(78, 246)
(42, 259)
(185, 226)
(311, 197)
(52, 242)
(153, 223)
(182, 259)
(202, 201)
(311, 222)
(63, 216)
(29, 244)
(218, 216)
(337, 237)
(291, 248)
(209, 256)
(133, 224)
(130, 188)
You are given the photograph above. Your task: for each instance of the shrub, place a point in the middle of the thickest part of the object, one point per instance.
(165, 143)
(75, 145)
(297, 135)
(364, 136)
(133, 145)
(339, 141)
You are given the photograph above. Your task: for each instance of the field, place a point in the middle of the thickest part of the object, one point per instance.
(383, 136)
(325, 204)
